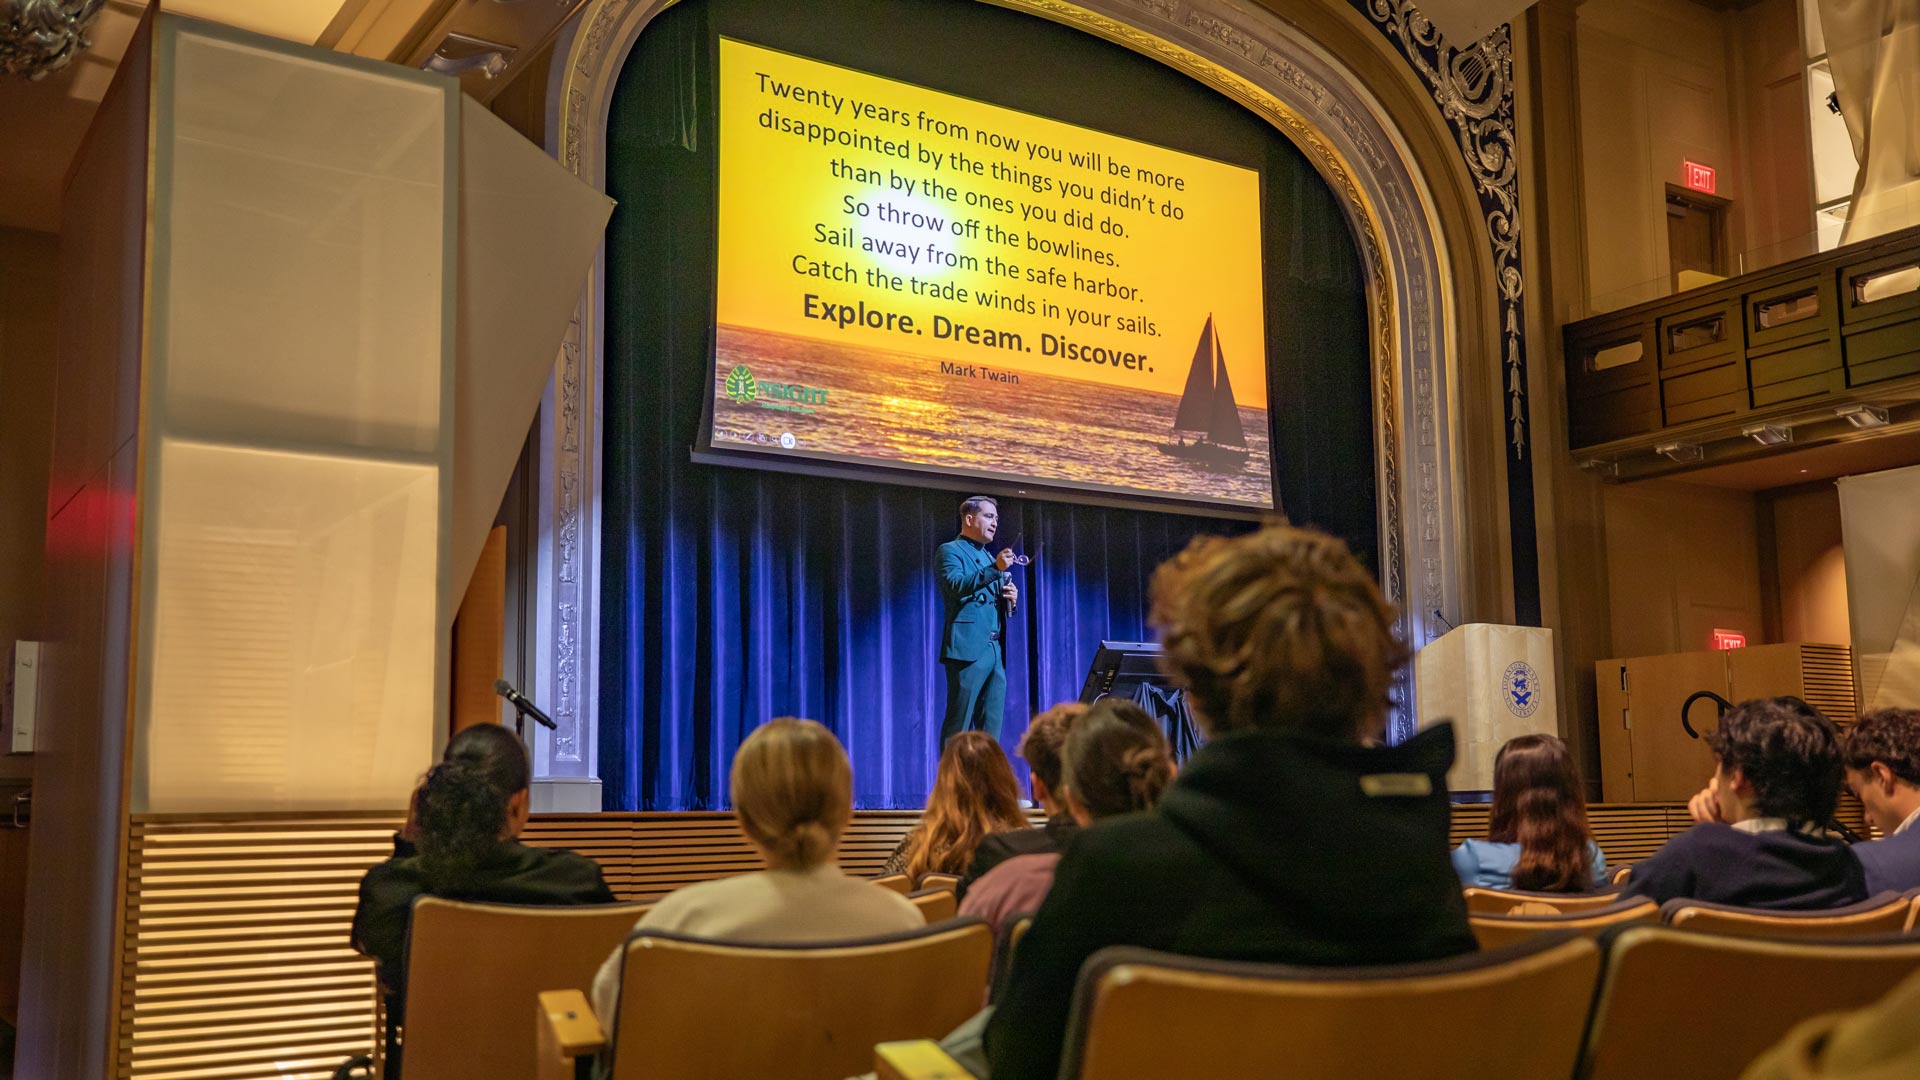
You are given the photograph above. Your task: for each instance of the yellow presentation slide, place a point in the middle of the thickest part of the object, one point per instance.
(911, 278)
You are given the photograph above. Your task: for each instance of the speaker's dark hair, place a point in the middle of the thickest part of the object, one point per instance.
(463, 803)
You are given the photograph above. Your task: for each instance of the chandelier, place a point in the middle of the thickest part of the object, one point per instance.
(42, 36)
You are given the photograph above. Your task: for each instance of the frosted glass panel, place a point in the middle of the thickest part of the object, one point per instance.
(304, 209)
(293, 630)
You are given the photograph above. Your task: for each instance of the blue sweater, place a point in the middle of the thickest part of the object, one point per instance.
(1782, 871)
(1488, 865)
(1892, 863)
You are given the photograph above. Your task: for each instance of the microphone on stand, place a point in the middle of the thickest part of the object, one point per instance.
(519, 701)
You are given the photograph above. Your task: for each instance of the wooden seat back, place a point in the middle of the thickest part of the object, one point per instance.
(1496, 931)
(1152, 1016)
(950, 882)
(899, 883)
(704, 1010)
(935, 904)
(1887, 913)
(475, 972)
(1702, 1006)
(1502, 901)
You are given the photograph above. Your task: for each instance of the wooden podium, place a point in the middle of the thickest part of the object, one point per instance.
(1493, 682)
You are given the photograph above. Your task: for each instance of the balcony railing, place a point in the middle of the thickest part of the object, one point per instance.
(1819, 349)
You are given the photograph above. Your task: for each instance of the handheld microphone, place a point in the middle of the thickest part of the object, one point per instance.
(519, 701)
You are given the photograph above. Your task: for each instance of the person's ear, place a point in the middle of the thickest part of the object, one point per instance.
(519, 809)
(1042, 794)
(1738, 783)
(1882, 776)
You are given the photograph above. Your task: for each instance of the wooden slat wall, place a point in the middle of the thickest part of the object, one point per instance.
(236, 956)
(1826, 680)
(236, 947)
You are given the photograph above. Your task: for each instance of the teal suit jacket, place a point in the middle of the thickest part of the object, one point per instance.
(970, 593)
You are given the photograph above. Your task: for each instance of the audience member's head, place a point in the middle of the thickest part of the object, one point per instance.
(1116, 761)
(1883, 765)
(1537, 804)
(1041, 746)
(471, 802)
(1279, 630)
(1776, 758)
(974, 795)
(793, 792)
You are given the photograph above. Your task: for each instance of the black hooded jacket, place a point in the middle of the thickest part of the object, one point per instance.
(1275, 848)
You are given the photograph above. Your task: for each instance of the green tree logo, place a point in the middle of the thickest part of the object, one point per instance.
(740, 385)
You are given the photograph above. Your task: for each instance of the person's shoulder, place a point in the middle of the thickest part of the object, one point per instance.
(565, 871)
(399, 874)
(1132, 846)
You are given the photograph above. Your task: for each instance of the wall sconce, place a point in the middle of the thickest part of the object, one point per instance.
(1681, 452)
(1768, 434)
(1862, 416)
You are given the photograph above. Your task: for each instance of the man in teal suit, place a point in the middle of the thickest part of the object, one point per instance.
(977, 596)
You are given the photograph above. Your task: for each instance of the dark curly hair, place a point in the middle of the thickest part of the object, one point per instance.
(1278, 629)
(1890, 737)
(462, 803)
(1788, 751)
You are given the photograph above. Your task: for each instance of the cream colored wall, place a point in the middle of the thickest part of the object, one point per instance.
(1661, 82)
(1775, 213)
(1682, 560)
(27, 330)
(1811, 566)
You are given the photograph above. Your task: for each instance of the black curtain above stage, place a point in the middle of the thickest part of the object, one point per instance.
(730, 596)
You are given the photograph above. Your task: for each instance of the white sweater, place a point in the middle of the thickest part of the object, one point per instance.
(773, 907)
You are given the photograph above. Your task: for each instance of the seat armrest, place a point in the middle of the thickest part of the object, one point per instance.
(567, 1030)
(919, 1059)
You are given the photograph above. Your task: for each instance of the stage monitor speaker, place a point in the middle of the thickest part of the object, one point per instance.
(1131, 670)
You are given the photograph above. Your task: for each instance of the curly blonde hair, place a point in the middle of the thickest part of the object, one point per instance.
(1279, 629)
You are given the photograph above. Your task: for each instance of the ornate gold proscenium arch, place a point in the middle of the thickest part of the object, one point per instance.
(1267, 64)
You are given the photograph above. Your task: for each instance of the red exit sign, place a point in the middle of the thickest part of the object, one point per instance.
(1697, 176)
(1729, 639)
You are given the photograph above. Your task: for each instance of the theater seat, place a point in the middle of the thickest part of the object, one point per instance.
(1482, 901)
(1887, 913)
(692, 1009)
(473, 971)
(899, 883)
(1143, 1015)
(935, 904)
(1012, 929)
(950, 882)
(1681, 1003)
(1495, 931)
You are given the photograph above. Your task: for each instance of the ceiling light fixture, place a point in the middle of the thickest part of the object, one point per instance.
(1768, 434)
(1682, 452)
(1862, 416)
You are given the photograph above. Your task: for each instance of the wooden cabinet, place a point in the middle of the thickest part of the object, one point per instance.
(1645, 753)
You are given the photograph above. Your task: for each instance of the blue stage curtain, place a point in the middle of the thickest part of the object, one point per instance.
(750, 595)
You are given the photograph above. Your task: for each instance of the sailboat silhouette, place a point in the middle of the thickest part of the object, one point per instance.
(1207, 408)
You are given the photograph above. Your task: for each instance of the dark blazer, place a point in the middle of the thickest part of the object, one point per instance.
(996, 848)
(1269, 847)
(514, 874)
(1892, 862)
(970, 599)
